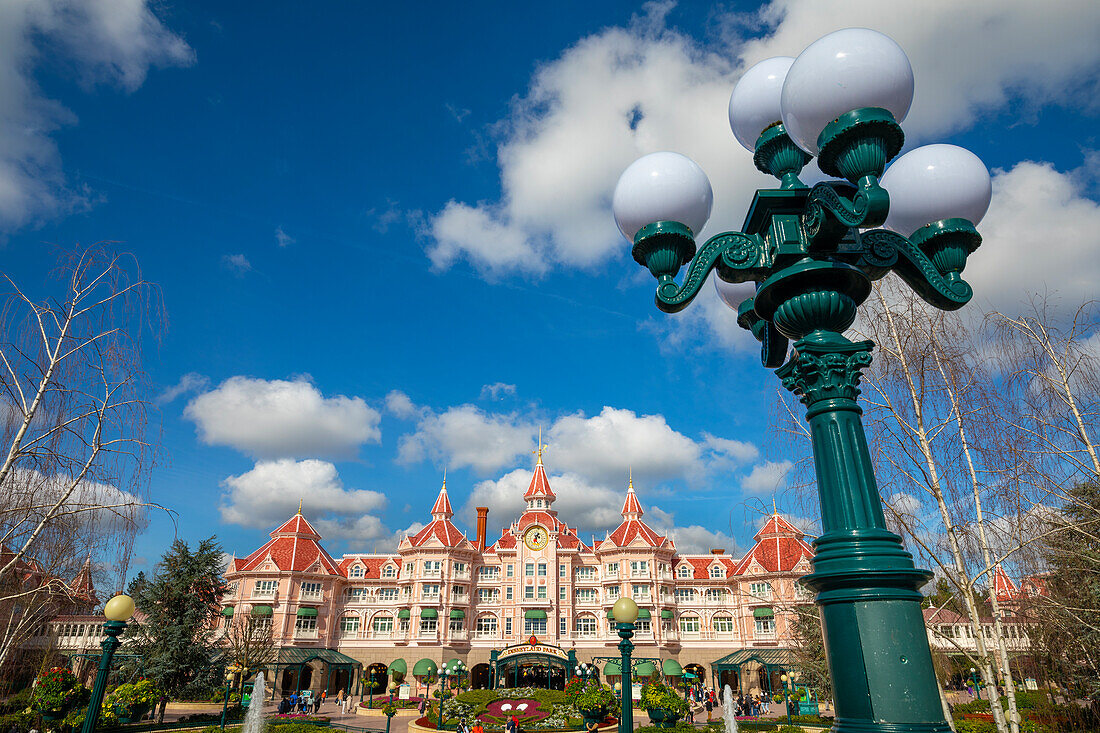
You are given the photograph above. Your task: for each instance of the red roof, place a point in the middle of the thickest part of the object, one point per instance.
(777, 526)
(1003, 586)
(441, 529)
(631, 507)
(442, 505)
(540, 486)
(630, 529)
(82, 583)
(293, 547)
(372, 566)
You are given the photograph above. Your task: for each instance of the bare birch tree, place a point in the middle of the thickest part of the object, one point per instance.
(74, 417)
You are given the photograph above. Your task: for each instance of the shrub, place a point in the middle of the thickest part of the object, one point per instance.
(58, 690)
(298, 726)
(233, 712)
(16, 703)
(658, 695)
(134, 696)
(595, 697)
(21, 721)
(792, 729)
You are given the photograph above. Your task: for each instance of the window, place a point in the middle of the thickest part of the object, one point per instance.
(510, 571)
(612, 592)
(433, 568)
(717, 571)
(723, 624)
(486, 626)
(404, 626)
(457, 625)
(388, 595)
(508, 626)
(508, 593)
(542, 570)
(529, 570)
(684, 571)
(382, 624)
(427, 626)
(305, 625)
(406, 592)
(563, 593)
(408, 568)
(265, 588)
(715, 595)
(528, 591)
(586, 595)
(356, 571)
(802, 593)
(685, 595)
(458, 593)
(689, 624)
(349, 627)
(491, 573)
(612, 569)
(390, 571)
(488, 595)
(586, 625)
(562, 627)
(639, 592)
(356, 595)
(639, 568)
(642, 626)
(311, 590)
(761, 590)
(430, 591)
(542, 591)
(534, 626)
(561, 571)
(586, 573)
(765, 625)
(461, 568)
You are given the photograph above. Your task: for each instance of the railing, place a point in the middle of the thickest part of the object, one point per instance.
(305, 633)
(311, 596)
(263, 594)
(486, 634)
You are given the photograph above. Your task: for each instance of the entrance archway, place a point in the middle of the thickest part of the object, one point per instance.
(532, 665)
(480, 676)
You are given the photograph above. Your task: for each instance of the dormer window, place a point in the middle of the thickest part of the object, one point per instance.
(684, 571)
(389, 572)
(356, 571)
(716, 571)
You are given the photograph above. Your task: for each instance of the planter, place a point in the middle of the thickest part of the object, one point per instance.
(52, 715)
(126, 716)
(377, 712)
(663, 717)
(594, 716)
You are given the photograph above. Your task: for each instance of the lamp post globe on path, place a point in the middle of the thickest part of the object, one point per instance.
(811, 255)
(625, 611)
(118, 611)
(786, 680)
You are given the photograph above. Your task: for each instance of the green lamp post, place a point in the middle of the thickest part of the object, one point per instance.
(118, 611)
(625, 611)
(786, 680)
(977, 683)
(230, 677)
(812, 255)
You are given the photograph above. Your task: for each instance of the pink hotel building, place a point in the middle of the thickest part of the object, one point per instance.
(442, 596)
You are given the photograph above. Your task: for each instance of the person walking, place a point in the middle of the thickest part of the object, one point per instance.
(709, 705)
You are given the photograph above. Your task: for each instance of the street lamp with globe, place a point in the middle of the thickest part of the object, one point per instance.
(625, 612)
(812, 255)
(118, 611)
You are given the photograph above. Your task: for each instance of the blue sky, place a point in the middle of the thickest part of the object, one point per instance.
(384, 242)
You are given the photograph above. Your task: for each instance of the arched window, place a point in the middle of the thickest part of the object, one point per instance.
(717, 571)
(390, 571)
(723, 624)
(356, 571)
(689, 624)
(349, 626)
(381, 626)
(684, 571)
(486, 626)
(586, 625)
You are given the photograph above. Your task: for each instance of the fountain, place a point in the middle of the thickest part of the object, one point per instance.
(728, 712)
(254, 718)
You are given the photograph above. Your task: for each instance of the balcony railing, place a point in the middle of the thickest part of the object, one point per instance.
(305, 633)
(487, 634)
(310, 596)
(263, 594)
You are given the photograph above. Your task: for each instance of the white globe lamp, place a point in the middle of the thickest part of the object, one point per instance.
(843, 71)
(936, 182)
(732, 294)
(755, 102)
(662, 186)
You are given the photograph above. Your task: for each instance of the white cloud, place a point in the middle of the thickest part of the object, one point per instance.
(399, 405)
(268, 495)
(592, 508)
(238, 263)
(1040, 235)
(190, 382)
(282, 239)
(767, 477)
(467, 436)
(606, 446)
(279, 418)
(97, 42)
(693, 539)
(968, 60)
(497, 391)
(738, 450)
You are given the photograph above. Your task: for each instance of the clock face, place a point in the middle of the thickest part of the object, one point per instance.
(536, 538)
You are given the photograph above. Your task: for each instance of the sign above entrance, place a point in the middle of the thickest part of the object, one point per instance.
(545, 649)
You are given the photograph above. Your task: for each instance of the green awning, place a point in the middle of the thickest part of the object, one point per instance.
(643, 613)
(457, 613)
(612, 668)
(307, 613)
(672, 668)
(404, 613)
(536, 613)
(610, 615)
(228, 611)
(397, 666)
(424, 667)
(454, 662)
(429, 613)
(261, 610)
(665, 613)
(762, 613)
(645, 669)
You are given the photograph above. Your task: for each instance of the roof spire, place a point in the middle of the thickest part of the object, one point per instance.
(444, 477)
(299, 505)
(630, 484)
(541, 447)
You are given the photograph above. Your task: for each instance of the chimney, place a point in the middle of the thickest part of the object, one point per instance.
(717, 552)
(482, 519)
